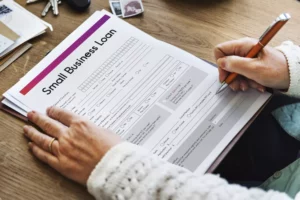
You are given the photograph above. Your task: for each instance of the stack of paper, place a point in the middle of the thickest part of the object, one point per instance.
(7, 37)
(17, 26)
(147, 91)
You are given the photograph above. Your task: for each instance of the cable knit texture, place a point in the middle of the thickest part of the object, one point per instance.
(292, 54)
(128, 171)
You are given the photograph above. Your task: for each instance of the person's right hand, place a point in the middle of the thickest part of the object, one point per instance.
(269, 69)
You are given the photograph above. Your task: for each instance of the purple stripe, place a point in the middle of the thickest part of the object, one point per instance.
(64, 55)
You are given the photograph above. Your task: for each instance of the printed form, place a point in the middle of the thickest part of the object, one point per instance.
(148, 92)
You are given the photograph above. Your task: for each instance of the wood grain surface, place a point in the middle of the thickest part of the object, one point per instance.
(193, 25)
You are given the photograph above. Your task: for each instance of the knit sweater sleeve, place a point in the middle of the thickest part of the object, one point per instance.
(292, 55)
(128, 171)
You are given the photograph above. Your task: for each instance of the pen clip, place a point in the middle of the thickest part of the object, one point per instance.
(284, 17)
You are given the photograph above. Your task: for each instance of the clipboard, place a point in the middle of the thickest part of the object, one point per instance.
(217, 161)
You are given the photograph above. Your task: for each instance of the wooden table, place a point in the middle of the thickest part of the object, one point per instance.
(195, 26)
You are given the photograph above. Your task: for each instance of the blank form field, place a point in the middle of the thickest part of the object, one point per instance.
(227, 108)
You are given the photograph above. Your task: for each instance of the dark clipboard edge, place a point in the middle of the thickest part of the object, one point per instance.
(231, 144)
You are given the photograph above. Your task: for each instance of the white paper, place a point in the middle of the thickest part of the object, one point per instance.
(22, 22)
(5, 43)
(149, 92)
(14, 107)
(15, 56)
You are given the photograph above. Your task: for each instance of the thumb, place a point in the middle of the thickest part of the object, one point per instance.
(244, 66)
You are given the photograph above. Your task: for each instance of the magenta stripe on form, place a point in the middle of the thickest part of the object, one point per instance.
(64, 55)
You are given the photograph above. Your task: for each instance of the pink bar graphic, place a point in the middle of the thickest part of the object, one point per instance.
(64, 55)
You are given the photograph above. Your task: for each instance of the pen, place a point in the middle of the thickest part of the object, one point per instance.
(263, 41)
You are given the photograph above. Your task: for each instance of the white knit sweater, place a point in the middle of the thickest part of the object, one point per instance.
(292, 55)
(128, 171)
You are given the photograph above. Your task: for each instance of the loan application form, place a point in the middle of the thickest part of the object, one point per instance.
(148, 92)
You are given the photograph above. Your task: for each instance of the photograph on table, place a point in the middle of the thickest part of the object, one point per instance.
(131, 7)
(115, 6)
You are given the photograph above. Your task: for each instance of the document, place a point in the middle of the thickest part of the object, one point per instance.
(149, 92)
(7, 36)
(21, 22)
(5, 43)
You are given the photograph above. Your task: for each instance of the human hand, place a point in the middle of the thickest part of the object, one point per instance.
(79, 143)
(269, 69)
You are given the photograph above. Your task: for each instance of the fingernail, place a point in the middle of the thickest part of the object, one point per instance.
(233, 89)
(48, 109)
(262, 90)
(30, 145)
(29, 114)
(243, 88)
(25, 128)
(223, 63)
(222, 79)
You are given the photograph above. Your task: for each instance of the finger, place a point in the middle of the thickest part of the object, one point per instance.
(44, 156)
(222, 74)
(236, 47)
(247, 67)
(62, 115)
(50, 126)
(256, 85)
(40, 139)
(244, 85)
(262, 89)
(235, 85)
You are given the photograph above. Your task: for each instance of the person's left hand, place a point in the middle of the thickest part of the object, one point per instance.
(78, 146)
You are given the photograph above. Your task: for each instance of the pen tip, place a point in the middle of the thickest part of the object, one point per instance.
(222, 87)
